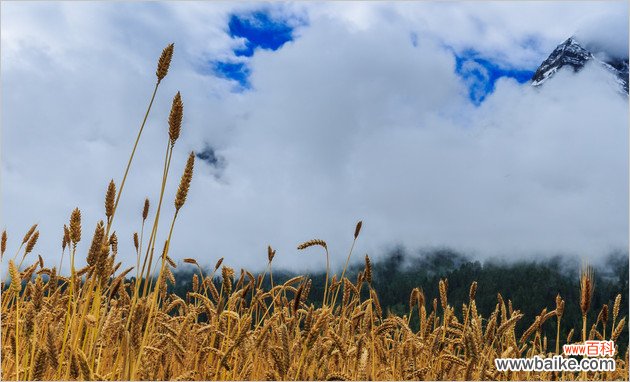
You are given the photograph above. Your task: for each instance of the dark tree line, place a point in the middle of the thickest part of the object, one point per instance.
(531, 285)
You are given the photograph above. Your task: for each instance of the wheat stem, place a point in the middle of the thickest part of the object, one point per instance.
(133, 152)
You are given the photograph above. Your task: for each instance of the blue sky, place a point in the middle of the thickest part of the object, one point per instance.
(480, 74)
(260, 30)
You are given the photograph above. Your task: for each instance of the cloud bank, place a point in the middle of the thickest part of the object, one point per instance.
(606, 32)
(361, 115)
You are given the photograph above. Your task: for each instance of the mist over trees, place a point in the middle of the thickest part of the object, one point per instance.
(530, 285)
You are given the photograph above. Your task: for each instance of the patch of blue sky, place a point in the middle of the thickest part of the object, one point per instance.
(480, 74)
(236, 71)
(258, 30)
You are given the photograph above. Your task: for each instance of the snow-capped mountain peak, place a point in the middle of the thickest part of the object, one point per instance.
(571, 53)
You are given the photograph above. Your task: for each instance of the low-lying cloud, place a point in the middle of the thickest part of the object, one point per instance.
(606, 32)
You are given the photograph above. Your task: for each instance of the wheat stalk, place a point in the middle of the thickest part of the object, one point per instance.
(586, 294)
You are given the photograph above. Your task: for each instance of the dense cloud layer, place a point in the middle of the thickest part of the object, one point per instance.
(606, 32)
(354, 119)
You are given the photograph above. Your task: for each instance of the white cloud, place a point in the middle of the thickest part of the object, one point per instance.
(349, 121)
(606, 31)
(515, 34)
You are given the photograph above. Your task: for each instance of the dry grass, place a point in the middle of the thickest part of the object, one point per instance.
(94, 324)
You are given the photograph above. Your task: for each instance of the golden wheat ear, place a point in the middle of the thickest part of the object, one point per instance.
(311, 243)
(65, 240)
(28, 234)
(145, 209)
(164, 62)
(75, 226)
(136, 241)
(16, 283)
(357, 229)
(31, 242)
(3, 243)
(175, 118)
(586, 295)
(110, 198)
(368, 270)
(184, 183)
(443, 289)
(270, 253)
(586, 289)
(473, 291)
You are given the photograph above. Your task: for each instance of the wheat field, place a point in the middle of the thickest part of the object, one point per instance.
(100, 323)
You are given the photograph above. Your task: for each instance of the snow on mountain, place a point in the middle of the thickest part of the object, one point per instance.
(571, 53)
